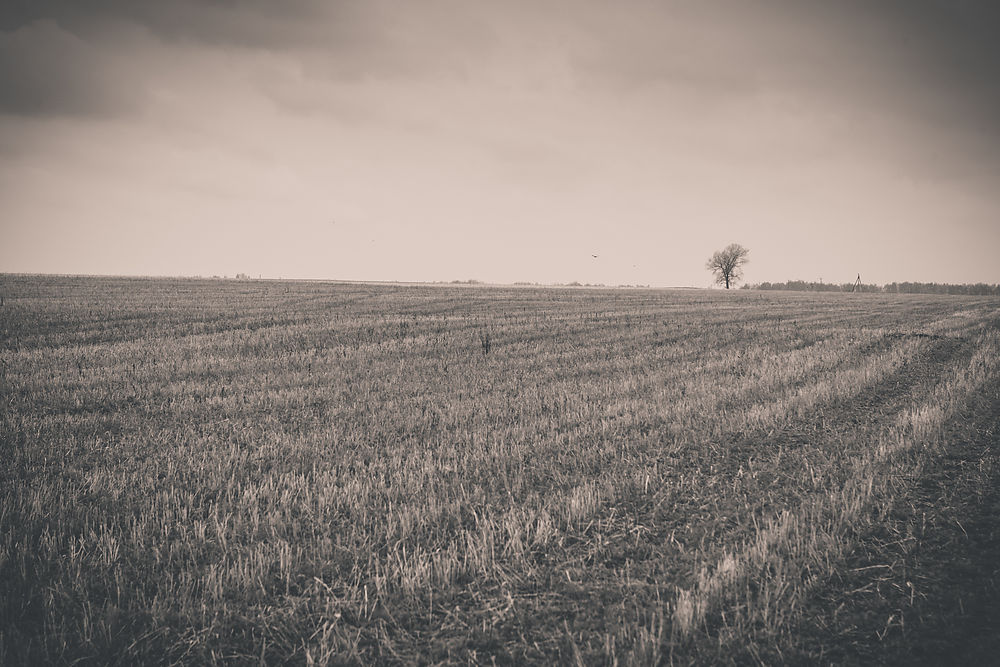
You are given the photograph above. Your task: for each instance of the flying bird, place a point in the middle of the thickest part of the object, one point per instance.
(594, 256)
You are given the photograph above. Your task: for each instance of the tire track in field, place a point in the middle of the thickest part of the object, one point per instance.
(778, 454)
(721, 524)
(922, 586)
(880, 405)
(632, 555)
(792, 554)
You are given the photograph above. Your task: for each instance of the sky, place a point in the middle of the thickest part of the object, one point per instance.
(501, 141)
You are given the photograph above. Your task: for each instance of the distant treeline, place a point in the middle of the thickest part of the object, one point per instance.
(979, 289)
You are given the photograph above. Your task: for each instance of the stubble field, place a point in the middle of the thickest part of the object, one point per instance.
(316, 473)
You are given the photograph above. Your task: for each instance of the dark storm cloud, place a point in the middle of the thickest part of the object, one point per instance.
(75, 58)
(951, 58)
(947, 84)
(45, 70)
(748, 45)
(919, 79)
(64, 56)
(958, 45)
(933, 61)
(226, 22)
(86, 58)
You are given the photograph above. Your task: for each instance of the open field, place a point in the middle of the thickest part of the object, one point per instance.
(222, 471)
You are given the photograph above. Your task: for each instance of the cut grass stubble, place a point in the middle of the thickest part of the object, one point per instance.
(218, 471)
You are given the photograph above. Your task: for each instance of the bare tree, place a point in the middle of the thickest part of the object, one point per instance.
(727, 264)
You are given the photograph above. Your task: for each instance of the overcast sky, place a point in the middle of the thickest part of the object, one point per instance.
(501, 141)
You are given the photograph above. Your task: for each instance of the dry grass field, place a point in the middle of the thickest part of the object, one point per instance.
(256, 471)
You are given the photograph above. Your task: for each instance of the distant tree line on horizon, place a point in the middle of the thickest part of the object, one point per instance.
(977, 289)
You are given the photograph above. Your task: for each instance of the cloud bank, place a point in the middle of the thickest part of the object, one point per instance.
(501, 140)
